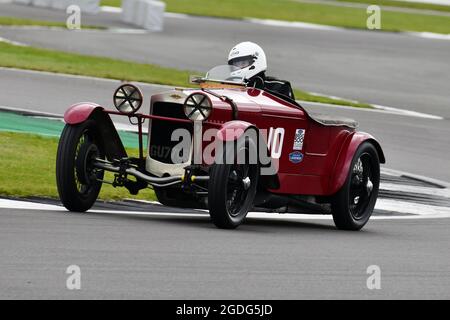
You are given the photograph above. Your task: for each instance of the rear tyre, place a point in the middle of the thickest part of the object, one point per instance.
(232, 188)
(353, 205)
(78, 182)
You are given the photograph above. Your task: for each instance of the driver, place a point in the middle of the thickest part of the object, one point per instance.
(251, 59)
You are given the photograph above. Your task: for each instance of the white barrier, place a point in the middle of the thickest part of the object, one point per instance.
(128, 10)
(148, 14)
(86, 6)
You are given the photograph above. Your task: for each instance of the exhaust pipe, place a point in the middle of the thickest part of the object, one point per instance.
(156, 181)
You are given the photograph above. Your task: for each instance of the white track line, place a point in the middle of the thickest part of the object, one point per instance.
(418, 209)
(439, 2)
(407, 112)
(292, 24)
(445, 193)
(110, 9)
(26, 205)
(119, 10)
(399, 173)
(421, 211)
(15, 43)
(377, 108)
(128, 31)
(430, 35)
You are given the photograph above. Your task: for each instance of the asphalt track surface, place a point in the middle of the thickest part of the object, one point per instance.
(176, 256)
(161, 256)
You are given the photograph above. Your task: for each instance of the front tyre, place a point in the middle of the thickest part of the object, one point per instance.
(353, 205)
(78, 182)
(232, 188)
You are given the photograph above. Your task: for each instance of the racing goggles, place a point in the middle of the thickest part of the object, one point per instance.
(242, 62)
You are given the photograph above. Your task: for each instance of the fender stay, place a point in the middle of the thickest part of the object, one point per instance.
(81, 112)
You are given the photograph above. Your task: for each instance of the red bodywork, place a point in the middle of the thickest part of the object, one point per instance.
(327, 150)
(80, 112)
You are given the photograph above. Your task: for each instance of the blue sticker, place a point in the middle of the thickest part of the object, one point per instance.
(296, 157)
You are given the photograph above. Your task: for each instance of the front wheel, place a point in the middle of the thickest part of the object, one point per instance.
(353, 205)
(78, 182)
(232, 188)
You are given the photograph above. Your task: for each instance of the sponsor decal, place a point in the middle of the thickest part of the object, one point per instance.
(296, 157)
(298, 139)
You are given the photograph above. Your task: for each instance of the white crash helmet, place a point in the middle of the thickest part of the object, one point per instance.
(249, 58)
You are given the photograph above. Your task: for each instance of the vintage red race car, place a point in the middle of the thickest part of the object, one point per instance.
(225, 147)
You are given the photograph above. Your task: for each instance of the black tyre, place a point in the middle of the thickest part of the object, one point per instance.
(174, 197)
(232, 188)
(78, 182)
(353, 205)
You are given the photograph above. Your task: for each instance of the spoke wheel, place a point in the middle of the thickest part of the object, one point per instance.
(238, 187)
(361, 187)
(353, 205)
(78, 182)
(232, 189)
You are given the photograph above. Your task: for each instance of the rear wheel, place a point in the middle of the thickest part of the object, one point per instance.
(232, 188)
(353, 205)
(78, 182)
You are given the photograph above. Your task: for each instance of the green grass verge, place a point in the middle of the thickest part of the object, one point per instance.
(306, 96)
(61, 62)
(13, 21)
(27, 168)
(290, 10)
(403, 4)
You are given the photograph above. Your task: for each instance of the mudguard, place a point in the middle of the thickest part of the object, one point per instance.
(233, 130)
(81, 112)
(348, 150)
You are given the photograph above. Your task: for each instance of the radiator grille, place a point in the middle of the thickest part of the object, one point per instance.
(160, 148)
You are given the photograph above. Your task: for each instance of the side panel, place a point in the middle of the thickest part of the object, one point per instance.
(311, 175)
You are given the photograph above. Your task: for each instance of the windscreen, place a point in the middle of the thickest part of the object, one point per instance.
(226, 73)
